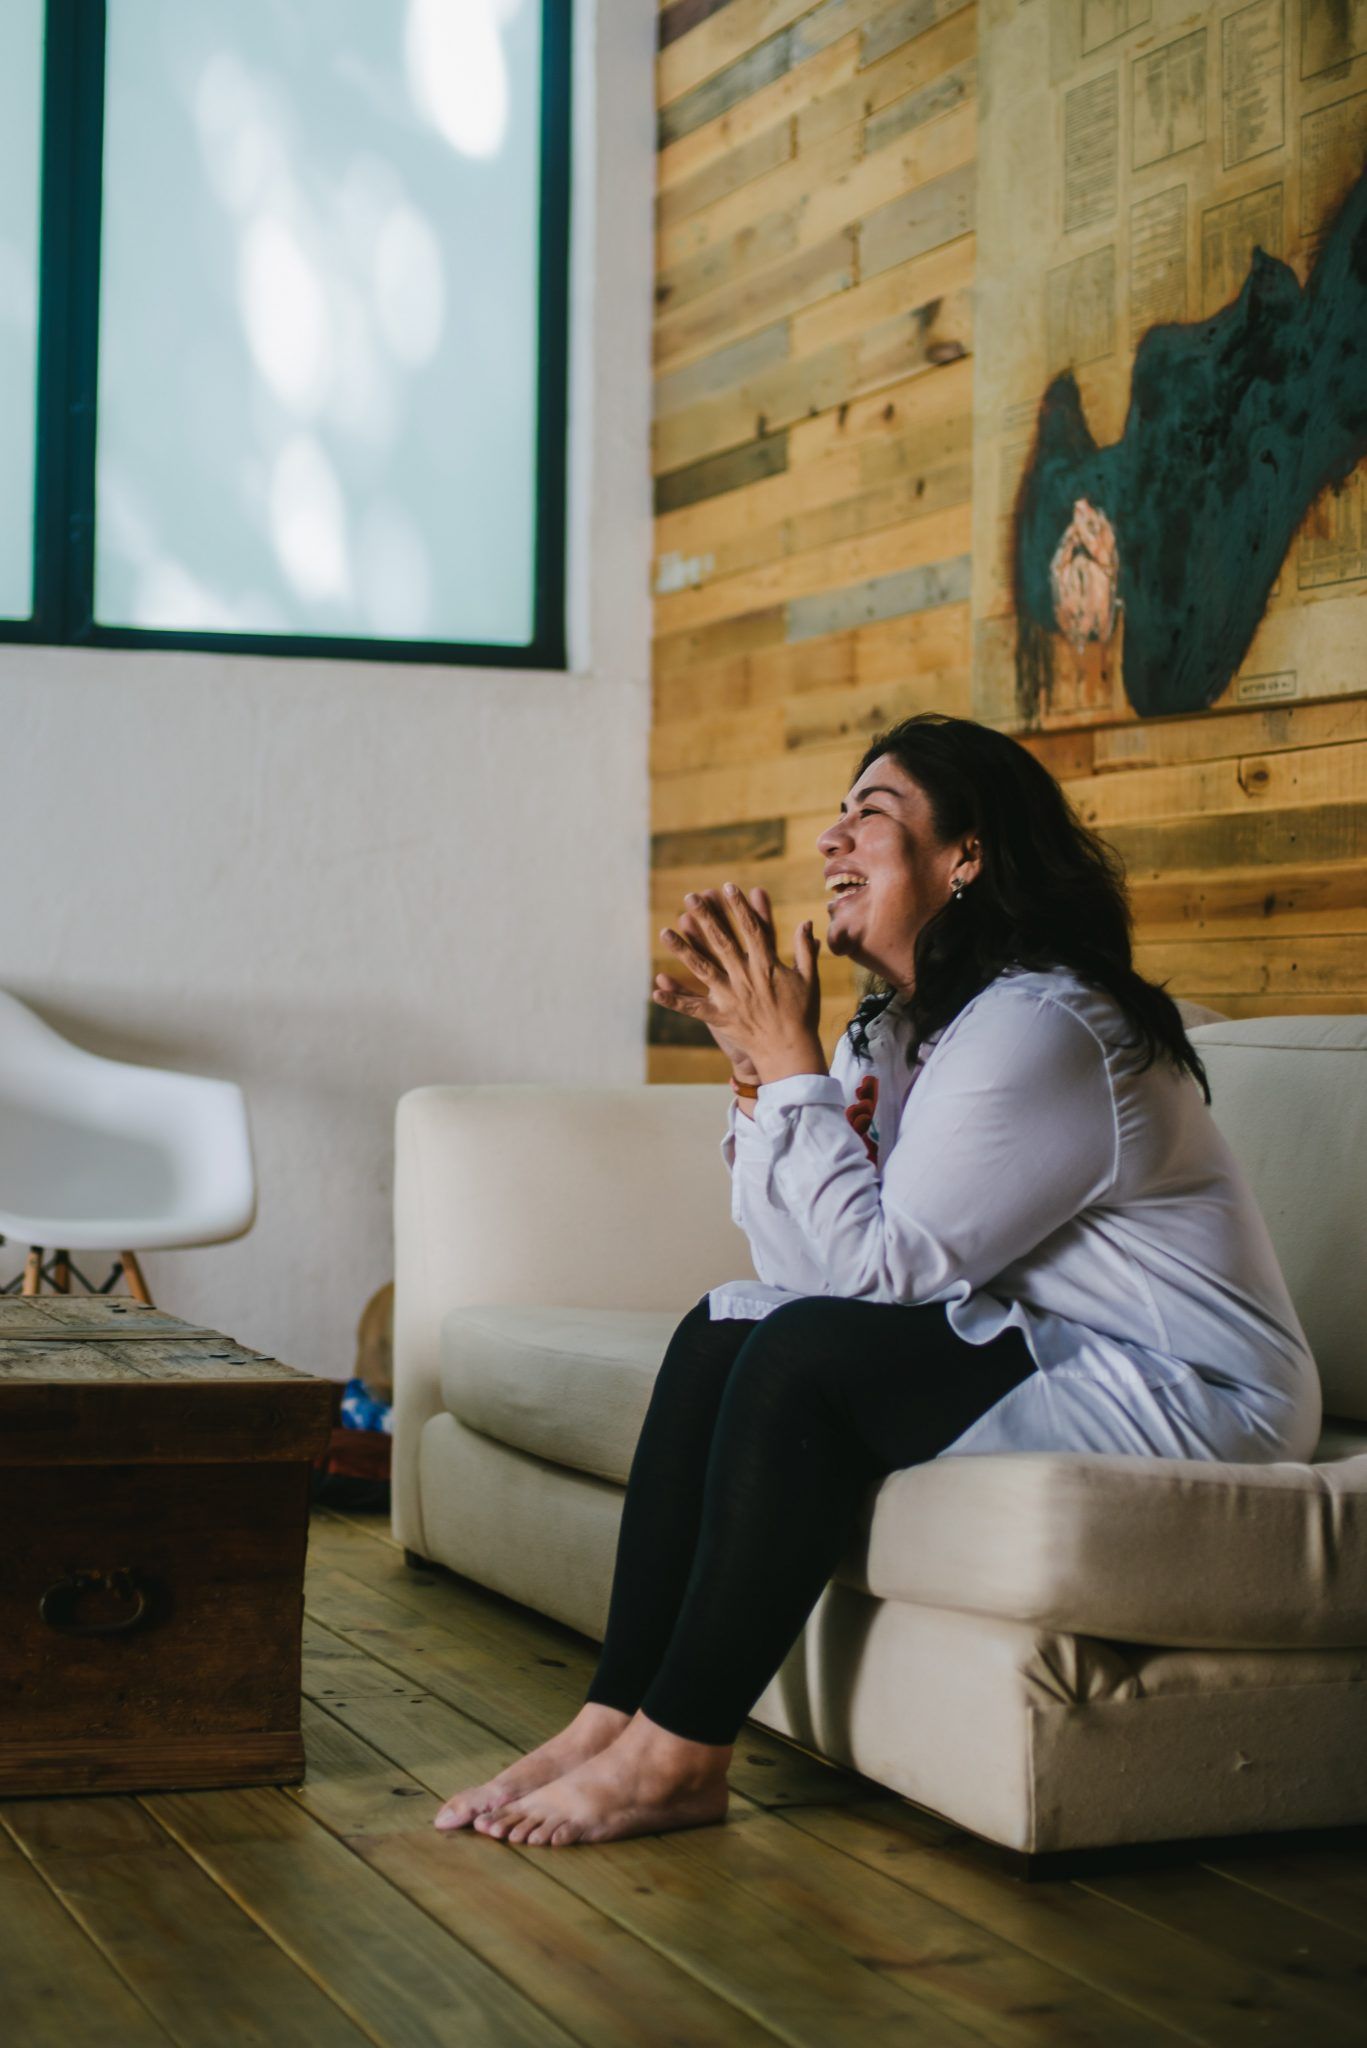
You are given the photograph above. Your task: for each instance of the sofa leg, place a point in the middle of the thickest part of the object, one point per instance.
(416, 1563)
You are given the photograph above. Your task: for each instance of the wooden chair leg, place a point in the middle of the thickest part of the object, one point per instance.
(137, 1286)
(61, 1272)
(33, 1270)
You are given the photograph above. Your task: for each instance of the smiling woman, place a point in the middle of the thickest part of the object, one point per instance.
(985, 828)
(889, 869)
(1001, 1221)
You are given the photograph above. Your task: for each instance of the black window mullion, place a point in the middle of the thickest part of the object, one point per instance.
(87, 153)
(68, 319)
(553, 334)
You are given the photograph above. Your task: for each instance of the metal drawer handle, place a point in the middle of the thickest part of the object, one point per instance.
(58, 1604)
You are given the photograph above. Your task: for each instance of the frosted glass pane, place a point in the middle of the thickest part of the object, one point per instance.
(318, 323)
(21, 102)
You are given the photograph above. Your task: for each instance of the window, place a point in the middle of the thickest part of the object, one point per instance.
(282, 342)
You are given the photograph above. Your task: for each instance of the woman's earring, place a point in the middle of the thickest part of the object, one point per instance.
(957, 885)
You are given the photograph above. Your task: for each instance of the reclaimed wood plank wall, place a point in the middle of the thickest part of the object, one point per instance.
(813, 418)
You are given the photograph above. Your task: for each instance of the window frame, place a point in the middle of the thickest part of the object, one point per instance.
(72, 151)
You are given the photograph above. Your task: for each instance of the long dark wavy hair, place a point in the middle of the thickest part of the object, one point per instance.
(1050, 892)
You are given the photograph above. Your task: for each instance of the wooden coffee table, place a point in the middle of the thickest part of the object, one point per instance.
(154, 1503)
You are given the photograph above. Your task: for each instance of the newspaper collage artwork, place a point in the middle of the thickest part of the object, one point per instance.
(1170, 402)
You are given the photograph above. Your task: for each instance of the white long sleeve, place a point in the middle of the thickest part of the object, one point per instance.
(779, 1246)
(1017, 1134)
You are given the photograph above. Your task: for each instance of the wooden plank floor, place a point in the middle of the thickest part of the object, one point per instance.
(826, 1912)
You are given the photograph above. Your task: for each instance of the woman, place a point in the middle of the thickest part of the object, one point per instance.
(1004, 1220)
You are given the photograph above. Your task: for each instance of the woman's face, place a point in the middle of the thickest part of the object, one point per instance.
(898, 873)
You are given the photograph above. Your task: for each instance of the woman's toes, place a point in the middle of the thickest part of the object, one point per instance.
(457, 1814)
(524, 1828)
(567, 1831)
(460, 1811)
(506, 1823)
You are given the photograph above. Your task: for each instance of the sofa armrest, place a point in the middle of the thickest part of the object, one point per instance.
(518, 1194)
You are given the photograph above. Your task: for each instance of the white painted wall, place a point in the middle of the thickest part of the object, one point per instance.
(332, 881)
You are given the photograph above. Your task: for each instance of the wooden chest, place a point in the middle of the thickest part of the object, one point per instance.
(154, 1502)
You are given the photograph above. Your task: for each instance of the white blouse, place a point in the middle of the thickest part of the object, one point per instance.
(1025, 1174)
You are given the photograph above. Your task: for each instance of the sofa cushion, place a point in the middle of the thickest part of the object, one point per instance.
(1145, 1550)
(569, 1384)
(1289, 1095)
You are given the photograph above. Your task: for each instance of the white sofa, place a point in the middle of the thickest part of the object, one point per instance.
(1059, 1652)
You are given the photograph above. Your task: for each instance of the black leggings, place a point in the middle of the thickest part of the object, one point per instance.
(758, 1451)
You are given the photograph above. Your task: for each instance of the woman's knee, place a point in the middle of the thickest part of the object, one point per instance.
(700, 1350)
(811, 1331)
(819, 1351)
(780, 1359)
(694, 1332)
(848, 1343)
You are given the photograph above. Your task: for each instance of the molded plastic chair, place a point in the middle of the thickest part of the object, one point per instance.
(99, 1154)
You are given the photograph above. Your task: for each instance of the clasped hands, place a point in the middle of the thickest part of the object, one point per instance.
(763, 1014)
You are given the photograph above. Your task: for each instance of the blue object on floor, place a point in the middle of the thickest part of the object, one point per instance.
(360, 1409)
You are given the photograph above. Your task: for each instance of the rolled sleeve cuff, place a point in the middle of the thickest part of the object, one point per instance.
(744, 1144)
(776, 1099)
(743, 1128)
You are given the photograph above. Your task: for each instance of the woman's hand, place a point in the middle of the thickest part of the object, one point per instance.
(691, 927)
(758, 1010)
(665, 986)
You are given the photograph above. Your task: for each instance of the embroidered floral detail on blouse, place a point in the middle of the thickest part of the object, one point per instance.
(859, 1114)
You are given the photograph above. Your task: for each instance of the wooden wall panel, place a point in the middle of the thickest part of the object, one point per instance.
(813, 430)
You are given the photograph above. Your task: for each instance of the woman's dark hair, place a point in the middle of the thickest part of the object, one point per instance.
(1050, 891)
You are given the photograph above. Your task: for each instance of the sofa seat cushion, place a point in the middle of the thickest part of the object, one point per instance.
(571, 1385)
(1145, 1550)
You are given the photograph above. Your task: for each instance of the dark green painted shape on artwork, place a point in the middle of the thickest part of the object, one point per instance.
(1235, 426)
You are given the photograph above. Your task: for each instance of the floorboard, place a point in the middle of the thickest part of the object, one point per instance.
(1178, 1980)
(826, 1913)
(169, 1931)
(59, 1991)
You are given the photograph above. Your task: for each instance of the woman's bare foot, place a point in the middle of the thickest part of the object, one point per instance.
(645, 1783)
(591, 1730)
